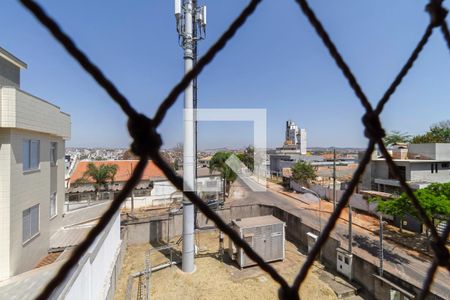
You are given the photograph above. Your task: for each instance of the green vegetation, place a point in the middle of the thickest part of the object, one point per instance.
(435, 200)
(100, 175)
(176, 164)
(303, 172)
(247, 157)
(218, 163)
(396, 137)
(438, 133)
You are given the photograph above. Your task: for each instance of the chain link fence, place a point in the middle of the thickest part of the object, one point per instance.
(147, 142)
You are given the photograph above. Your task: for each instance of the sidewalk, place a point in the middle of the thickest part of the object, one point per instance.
(417, 243)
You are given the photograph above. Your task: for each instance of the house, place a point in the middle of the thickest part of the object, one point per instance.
(419, 164)
(81, 187)
(32, 142)
(152, 190)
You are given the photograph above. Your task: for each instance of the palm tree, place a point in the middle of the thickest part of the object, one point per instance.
(101, 175)
(218, 163)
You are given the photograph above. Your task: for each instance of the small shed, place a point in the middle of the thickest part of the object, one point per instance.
(265, 234)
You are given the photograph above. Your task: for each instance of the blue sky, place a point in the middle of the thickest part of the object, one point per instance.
(275, 62)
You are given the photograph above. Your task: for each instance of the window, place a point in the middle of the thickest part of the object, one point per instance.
(444, 165)
(53, 211)
(402, 171)
(434, 168)
(30, 223)
(30, 155)
(53, 153)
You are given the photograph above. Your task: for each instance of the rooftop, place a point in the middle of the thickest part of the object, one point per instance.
(12, 59)
(21, 110)
(124, 171)
(257, 221)
(202, 172)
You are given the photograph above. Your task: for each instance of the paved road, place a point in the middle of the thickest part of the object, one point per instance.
(365, 244)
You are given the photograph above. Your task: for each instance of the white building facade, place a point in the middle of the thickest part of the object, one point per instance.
(295, 138)
(419, 165)
(32, 144)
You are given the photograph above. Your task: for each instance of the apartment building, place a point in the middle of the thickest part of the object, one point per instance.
(32, 141)
(419, 164)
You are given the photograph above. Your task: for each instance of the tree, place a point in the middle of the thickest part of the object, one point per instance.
(434, 199)
(438, 133)
(176, 164)
(303, 172)
(396, 137)
(218, 163)
(247, 157)
(101, 175)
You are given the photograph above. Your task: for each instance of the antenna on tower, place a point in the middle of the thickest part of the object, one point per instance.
(198, 15)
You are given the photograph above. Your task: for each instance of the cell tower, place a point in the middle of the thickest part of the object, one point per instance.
(191, 27)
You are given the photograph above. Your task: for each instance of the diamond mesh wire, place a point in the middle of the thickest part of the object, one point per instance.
(147, 142)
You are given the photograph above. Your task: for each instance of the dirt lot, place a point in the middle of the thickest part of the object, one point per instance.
(214, 279)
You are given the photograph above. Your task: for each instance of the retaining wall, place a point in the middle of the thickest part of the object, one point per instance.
(166, 227)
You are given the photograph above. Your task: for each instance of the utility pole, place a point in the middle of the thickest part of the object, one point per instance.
(334, 179)
(381, 245)
(189, 16)
(350, 232)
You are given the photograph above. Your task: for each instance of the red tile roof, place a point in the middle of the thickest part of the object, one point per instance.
(48, 259)
(125, 168)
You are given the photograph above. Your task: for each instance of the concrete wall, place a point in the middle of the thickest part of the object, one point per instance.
(422, 172)
(5, 196)
(438, 151)
(84, 214)
(92, 277)
(9, 73)
(443, 151)
(165, 227)
(19, 109)
(357, 201)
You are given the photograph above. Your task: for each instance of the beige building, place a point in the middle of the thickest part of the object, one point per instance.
(32, 144)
